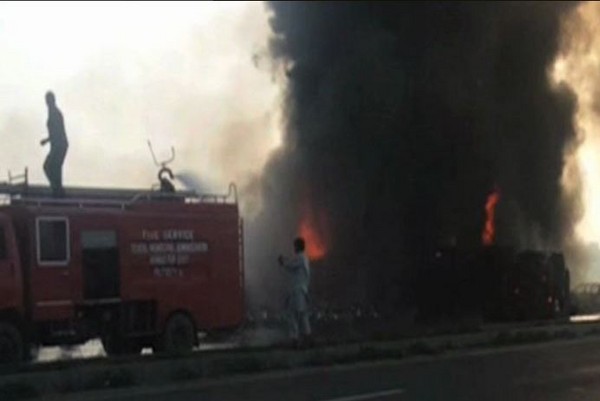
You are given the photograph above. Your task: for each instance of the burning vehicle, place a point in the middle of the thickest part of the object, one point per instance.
(495, 284)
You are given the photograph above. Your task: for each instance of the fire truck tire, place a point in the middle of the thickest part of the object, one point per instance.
(180, 334)
(11, 344)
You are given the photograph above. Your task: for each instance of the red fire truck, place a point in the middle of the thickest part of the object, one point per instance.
(134, 268)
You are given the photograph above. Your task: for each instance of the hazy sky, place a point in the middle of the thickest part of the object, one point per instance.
(180, 74)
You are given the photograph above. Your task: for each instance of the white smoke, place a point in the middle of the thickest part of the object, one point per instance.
(192, 182)
(577, 67)
(182, 74)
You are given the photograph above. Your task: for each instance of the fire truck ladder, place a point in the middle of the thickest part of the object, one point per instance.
(23, 178)
(16, 182)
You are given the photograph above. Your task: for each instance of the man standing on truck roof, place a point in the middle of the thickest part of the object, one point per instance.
(57, 136)
(297, 303)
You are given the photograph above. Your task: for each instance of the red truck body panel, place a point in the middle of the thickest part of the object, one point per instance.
(180, 256)
(11, 288)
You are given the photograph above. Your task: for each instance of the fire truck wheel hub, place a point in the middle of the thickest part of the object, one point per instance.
(179, 334)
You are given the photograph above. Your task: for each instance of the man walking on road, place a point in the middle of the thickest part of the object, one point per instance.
(298, 270)
(57, 137)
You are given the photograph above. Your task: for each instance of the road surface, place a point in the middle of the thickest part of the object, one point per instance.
(257, 337)
(545, 372)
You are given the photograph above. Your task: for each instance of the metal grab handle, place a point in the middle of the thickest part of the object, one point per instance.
(163, 163)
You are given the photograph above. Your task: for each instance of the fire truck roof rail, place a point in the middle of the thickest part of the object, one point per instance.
(36, 195)
(230, 197)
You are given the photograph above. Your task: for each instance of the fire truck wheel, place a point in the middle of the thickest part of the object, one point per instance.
(11, 344)
(180, 334)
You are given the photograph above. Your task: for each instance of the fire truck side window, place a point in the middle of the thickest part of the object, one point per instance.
(53, 240)
(3, 254)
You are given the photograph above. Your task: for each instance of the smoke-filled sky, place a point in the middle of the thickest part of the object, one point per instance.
(577, 66)
(403, 118)
(186, 74)
(399, 120)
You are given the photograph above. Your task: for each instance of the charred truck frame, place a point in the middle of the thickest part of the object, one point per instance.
(135, 268)
(495, 284)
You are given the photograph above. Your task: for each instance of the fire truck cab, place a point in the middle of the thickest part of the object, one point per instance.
(134, 268)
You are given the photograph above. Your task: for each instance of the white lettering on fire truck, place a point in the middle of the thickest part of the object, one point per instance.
(156, 247)
(150, 235)
(167, 272)
(174, 235)
(168, 256)
(192, 247)
(139, 248)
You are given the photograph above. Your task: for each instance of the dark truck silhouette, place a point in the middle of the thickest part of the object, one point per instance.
(493, 283)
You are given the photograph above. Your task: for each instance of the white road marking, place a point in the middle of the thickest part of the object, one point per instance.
(368, 396)
(585, 318)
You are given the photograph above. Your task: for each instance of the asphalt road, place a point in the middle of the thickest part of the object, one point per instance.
(546, 372)
(256, 337)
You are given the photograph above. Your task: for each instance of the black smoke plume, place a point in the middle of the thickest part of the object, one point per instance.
(400, 120)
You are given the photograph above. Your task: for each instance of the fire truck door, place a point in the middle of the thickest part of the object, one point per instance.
(100, 263)
(10, 286)
(51, 279)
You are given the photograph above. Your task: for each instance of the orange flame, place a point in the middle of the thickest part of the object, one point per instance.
(315, 246)
(489, 230)
(315, 249)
